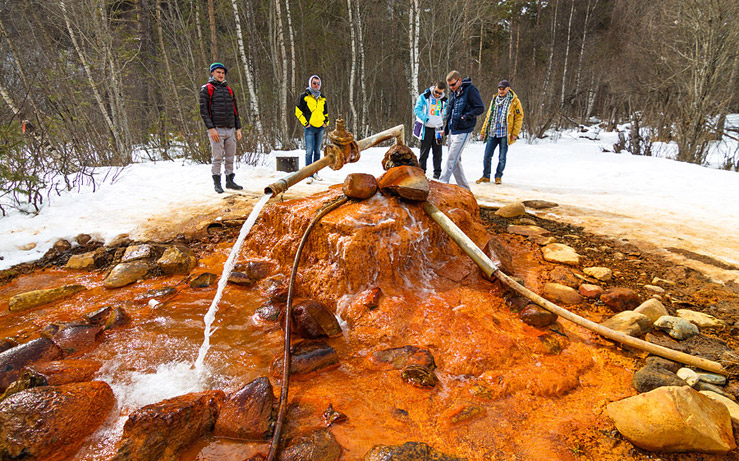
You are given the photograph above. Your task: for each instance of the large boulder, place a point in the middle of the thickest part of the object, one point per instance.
(36, 298)
(247, 413)
(674, 419)
(159, 431)
(52, 421)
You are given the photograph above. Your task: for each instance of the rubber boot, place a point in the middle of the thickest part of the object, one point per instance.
(217, 183)
(230, 182)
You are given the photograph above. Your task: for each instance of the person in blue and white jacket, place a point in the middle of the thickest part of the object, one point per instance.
(429, 112)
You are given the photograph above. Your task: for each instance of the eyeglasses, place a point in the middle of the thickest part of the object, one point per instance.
(315, 83)
(438, 94)
(453, 84)
(501, 88)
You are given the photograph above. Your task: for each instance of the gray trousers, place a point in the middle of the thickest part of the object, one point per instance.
(226, 147)
(457, 143)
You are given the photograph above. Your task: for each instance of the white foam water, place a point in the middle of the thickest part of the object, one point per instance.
(210, 316)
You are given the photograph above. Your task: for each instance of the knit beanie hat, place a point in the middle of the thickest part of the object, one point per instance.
(217, 65)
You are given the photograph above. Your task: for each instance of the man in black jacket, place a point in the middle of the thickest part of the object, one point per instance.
(221, 116)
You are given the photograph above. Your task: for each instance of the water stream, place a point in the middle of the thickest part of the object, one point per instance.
(210, 316)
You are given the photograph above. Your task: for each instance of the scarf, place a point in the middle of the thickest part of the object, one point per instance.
(316, 93)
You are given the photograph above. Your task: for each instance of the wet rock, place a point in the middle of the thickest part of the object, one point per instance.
(306, 357)
(399, 155)
(36, 298)
(603, 274)
(134, 252)
(527, 231)
(652, 308)
(620, 299)
(116, 319)
(161, 430)
(239, 278)
(7, 343)
(126, 273)
(319, 445)
(359, 186)
(464, 413)
(331, 416)
(86, 261)
(700, 319)
(409, 451)
(53, 374)
(204, 280)
(539, 204)
(367, 300)
(158, 293)
(255, 270)
(177, 259)
(516, 302)
(730, 404)
(276, 289)
(247, 413)
(499, 254)
(400, 357)
(676, 327)
(561, 294)
(419, 376)
(99, 316)
(311, 319)
(52, 421)
(660, 362)
(268, 313)
(564, 276)
(14, 360)
(629, 322)
(537, 317)
(688, 375)
(76, 339)
(590, 291)
(710, 378)
(651, 377)
(560, 253)
(512, 210)
(674, 419)
(406, 182)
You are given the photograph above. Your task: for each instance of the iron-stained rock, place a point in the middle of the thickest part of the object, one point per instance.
(558, 293)
(36, 298)
(52, 421)
(86, 261)
(331, 416)
(240, 278)
(319, 445)
(511, 210)
(126, 273)
(360, 186)
(406, 182)
(603, 274)
(247, 413)
(159, 431)
(620, 299)
(311, 319)
(14, 360)
(117, 318)
(255, 270)
(399, 357)
(76, 339)
(419, 376)
(158, 293)
(268, 313)
(409, 451)
(399, 155)
(204, 280)
(465, 413)
(537, 317)
(54, 373)
(590, 291)
(99, 316)
(177, 259)
(306, 357)
(134, 252)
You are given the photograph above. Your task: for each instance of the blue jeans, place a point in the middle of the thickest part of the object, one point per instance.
(487, 160)
(313, 138)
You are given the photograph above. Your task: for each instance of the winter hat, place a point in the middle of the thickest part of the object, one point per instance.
(217, 65)
(504, 83)
(317, 92)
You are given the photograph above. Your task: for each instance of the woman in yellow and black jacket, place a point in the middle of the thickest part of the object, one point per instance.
(312, 113)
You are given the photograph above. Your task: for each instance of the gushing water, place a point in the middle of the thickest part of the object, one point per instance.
(210, 316)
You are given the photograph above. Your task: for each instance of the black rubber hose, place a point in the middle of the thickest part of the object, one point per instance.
(327, 208)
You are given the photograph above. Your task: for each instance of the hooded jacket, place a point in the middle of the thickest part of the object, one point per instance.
(463, 108)
(311, 110)
(220, 110)
(514, 118)
(421, 110)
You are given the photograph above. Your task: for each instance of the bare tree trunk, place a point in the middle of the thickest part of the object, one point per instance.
(567, 57)
(548, 73)
(91, 81)
(362, 75)
(479, 49)
(510, 40)
(291, 37)
(515, 55)
(199, 31)
(213, 36)
(168, 67)
(591, 95)
(9, 101)
(19, 68)
(283, 80)
(353, 69)
(254, 103)
(414, 26)
(578, 75)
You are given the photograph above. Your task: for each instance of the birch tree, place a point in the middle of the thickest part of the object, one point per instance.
(353, 69)
(253, 102)
(414, 26)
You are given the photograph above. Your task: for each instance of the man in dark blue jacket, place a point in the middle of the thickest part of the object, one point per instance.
(464, 106)
(221, 116)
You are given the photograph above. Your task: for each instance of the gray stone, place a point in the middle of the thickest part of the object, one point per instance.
(560, 253)
(676, 327)
(711, 378)
(629, 322)
(652, 308)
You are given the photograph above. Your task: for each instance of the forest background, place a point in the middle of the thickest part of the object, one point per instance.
(89, 83)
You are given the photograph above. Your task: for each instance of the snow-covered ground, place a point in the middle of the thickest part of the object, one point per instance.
(652, 201)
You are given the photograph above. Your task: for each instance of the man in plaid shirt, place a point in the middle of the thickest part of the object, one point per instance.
(502, 125)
